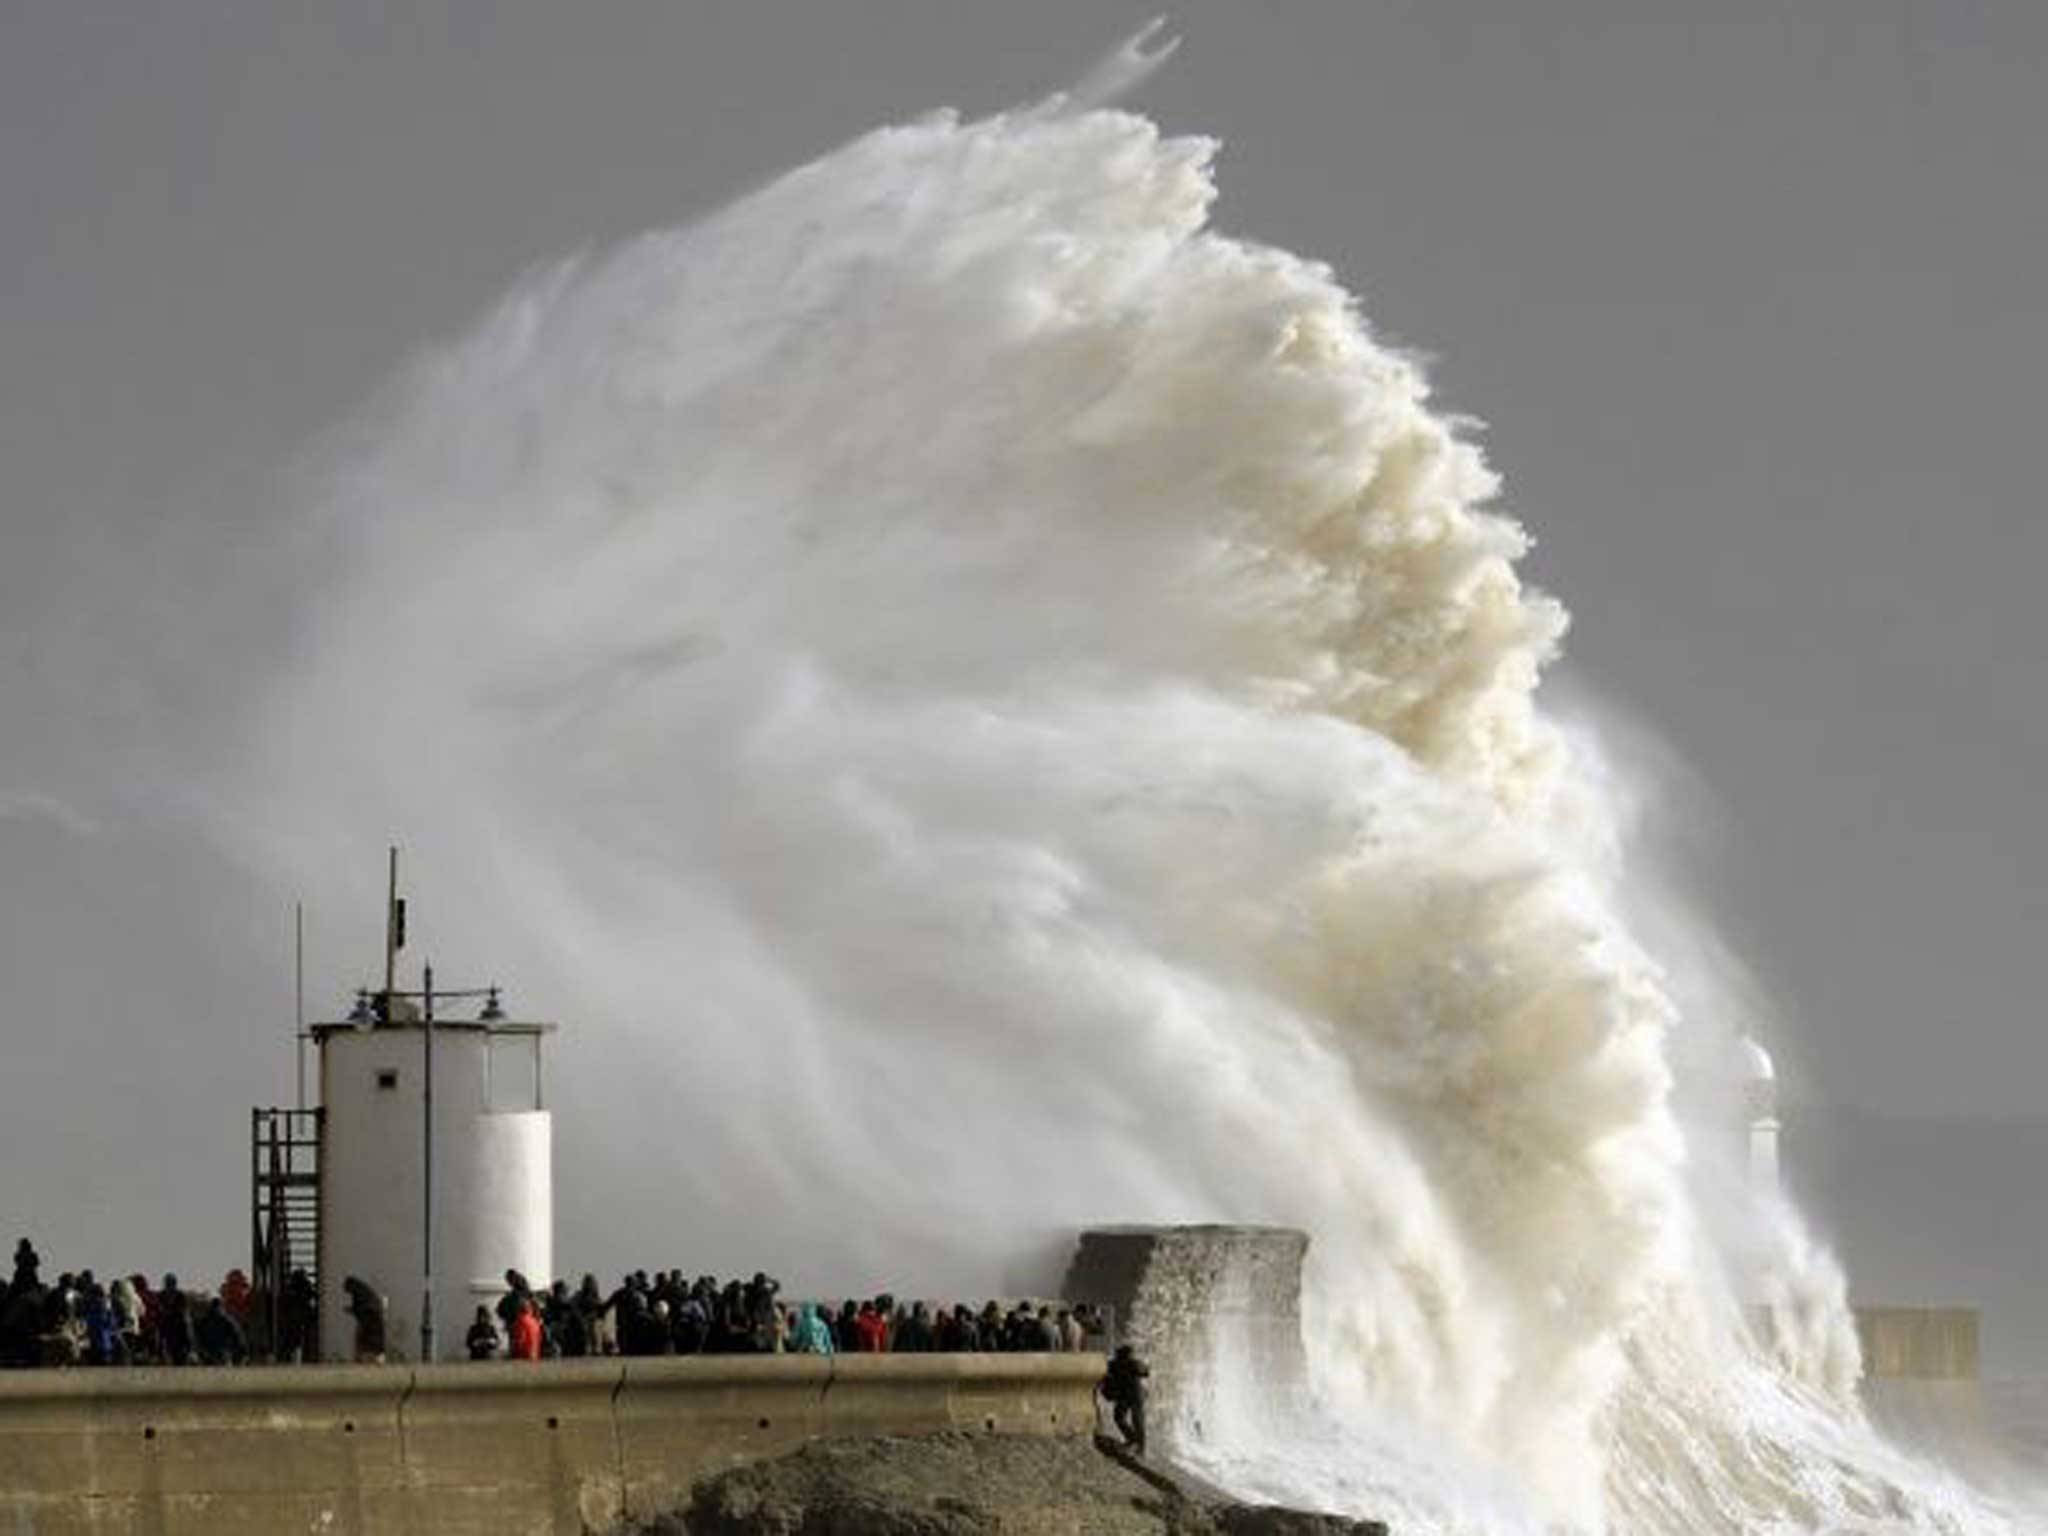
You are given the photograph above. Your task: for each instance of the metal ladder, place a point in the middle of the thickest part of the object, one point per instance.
(284, 1210)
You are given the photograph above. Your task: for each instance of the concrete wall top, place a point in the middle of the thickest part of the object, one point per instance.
(1049, 1368)
(284, 1382)
(126, 1383)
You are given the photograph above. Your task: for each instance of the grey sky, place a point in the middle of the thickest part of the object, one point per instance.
(1748, 294)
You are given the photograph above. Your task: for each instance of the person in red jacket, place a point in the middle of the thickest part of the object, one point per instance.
(525, 1332)
(237, 1296)
(872, 1329)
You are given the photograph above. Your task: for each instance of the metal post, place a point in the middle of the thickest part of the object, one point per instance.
(256, 1192)
(391, 942)
(427, 1200)
(299, 993)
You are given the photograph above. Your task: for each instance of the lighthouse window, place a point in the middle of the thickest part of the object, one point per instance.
(387, 1077)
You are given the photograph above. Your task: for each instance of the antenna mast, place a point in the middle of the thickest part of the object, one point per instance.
(394, 938)
(299, 992)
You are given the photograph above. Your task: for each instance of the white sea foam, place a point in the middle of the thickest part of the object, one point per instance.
(993, 707)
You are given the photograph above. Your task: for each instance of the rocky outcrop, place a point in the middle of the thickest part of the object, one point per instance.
(1271, 1520)
(963, 1484)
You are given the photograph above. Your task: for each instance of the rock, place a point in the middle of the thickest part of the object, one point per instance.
(712, 1513)
(967, 1484)
(1274, 1520)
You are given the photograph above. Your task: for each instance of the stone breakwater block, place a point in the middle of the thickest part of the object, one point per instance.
(1211, 1308)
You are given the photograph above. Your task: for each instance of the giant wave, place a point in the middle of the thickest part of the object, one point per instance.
(994, 706)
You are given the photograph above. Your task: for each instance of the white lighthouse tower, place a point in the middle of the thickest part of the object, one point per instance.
(426, 1171)
(490, 1172)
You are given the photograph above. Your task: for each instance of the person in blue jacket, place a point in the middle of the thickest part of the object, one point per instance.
(809, 1335)
(102, 1330)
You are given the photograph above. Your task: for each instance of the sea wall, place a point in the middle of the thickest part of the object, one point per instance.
(557, 1449)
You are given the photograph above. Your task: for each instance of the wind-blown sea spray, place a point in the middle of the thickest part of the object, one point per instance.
(992, 707)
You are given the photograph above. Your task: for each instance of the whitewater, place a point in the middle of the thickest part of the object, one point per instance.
(998, 707)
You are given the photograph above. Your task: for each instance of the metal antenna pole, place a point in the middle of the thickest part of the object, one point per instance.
(391, 941)
(299, 993)
(427, 1201)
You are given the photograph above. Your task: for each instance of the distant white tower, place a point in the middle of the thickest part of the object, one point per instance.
(1760, 1111)
(492, 1181)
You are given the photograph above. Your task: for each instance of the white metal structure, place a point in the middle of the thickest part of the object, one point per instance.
(493, 1186)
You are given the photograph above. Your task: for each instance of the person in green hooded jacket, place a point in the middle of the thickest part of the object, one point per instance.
(809, 1335)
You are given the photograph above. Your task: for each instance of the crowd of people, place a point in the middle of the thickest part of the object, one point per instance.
(668, 1314)
(76, 1319)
